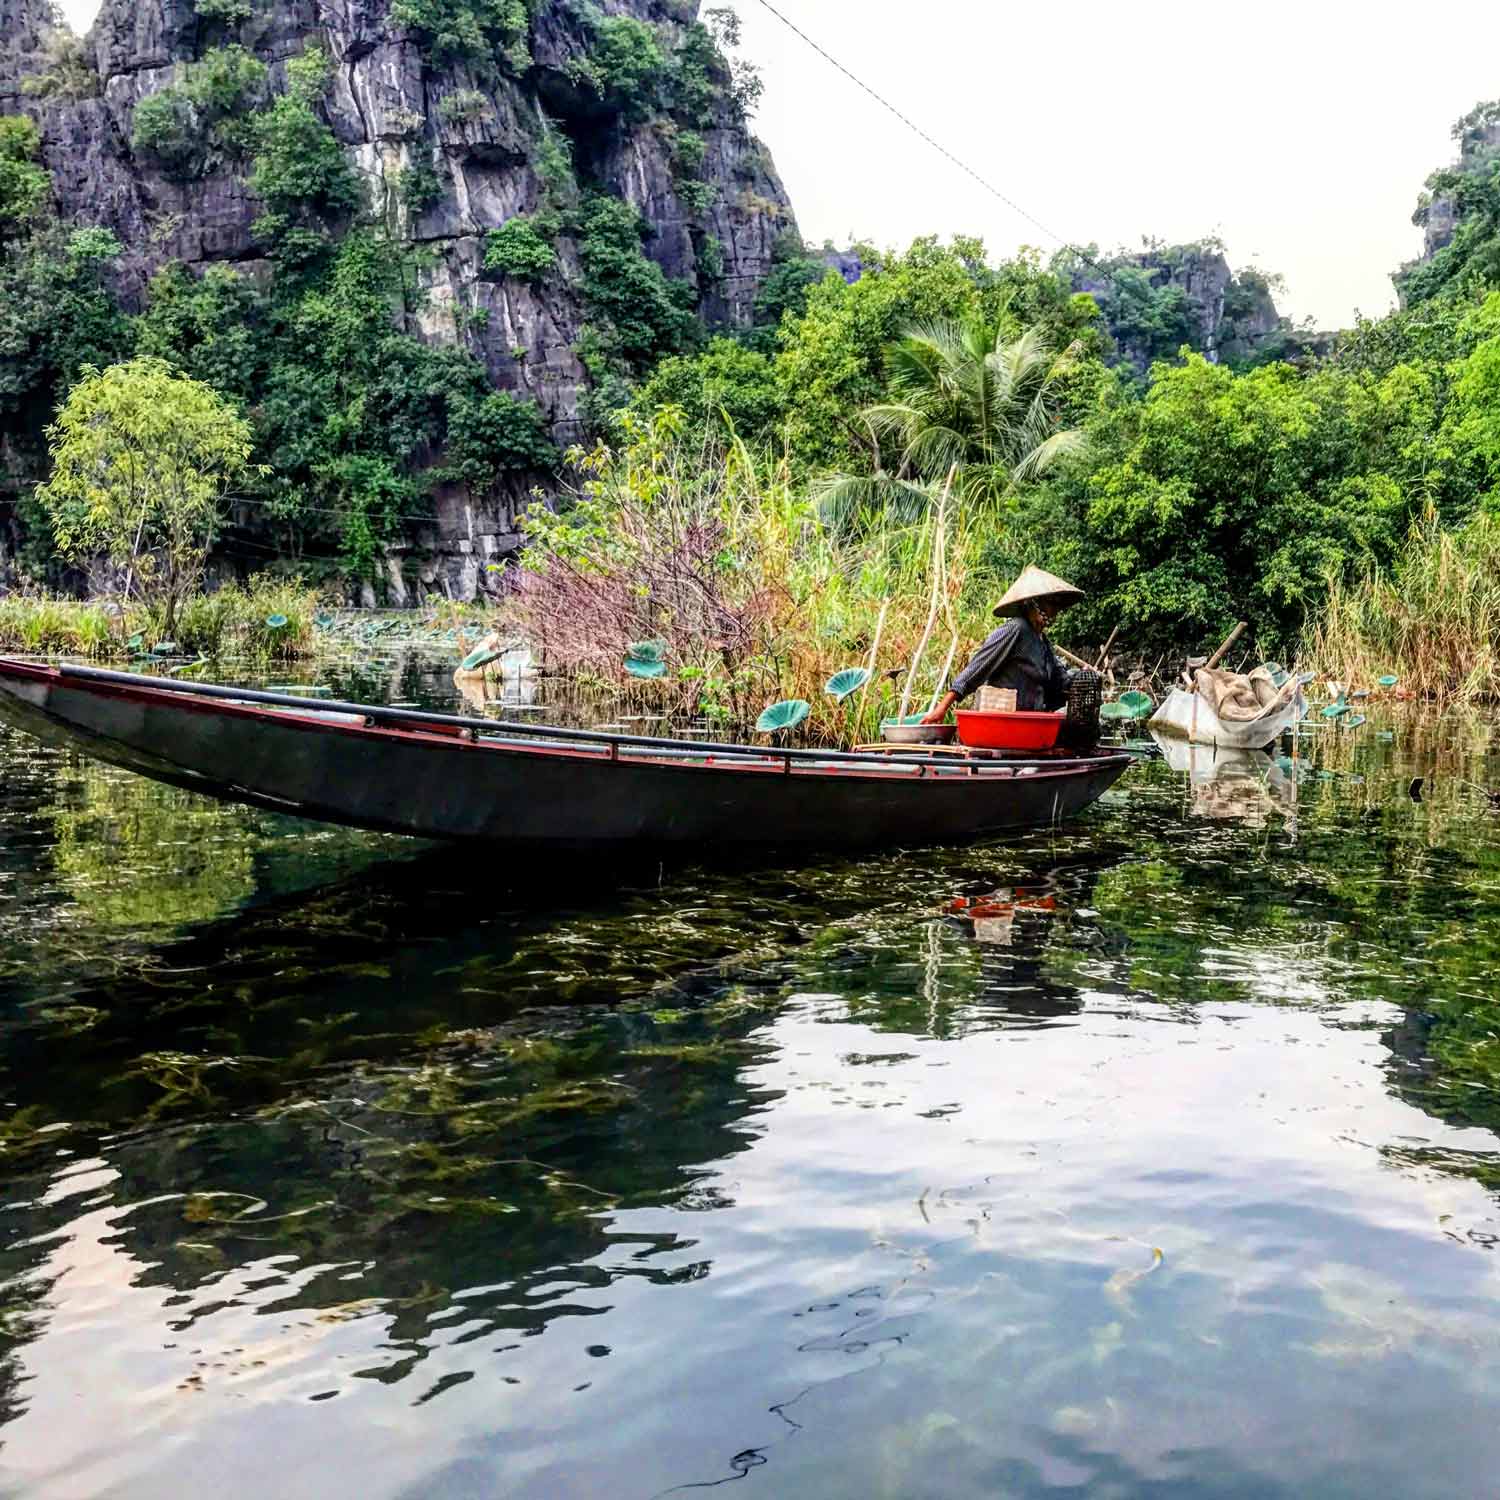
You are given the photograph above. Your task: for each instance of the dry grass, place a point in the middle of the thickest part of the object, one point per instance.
(754, 597)
(1434, 622)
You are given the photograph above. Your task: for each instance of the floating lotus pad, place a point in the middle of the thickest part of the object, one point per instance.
(850, 680)
(482, 656)
(787, 714)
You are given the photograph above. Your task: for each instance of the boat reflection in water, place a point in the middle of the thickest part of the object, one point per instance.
(1241, 786)
(1012, 926)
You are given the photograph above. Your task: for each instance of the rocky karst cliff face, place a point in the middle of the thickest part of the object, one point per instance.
(480, 134)
(1161, 298)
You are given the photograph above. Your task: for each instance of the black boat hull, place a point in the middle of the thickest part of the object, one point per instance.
(444, 778)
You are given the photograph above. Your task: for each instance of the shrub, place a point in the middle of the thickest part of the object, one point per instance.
(24, 185)
(470, 31)
(519, 249)
(166, 126)
(418, 186)
(689, 148)
(230, 12)
(630, 65)
(69, 72)
(697, 197)
(462, 106)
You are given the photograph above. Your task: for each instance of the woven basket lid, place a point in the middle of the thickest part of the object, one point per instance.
(1034, 584)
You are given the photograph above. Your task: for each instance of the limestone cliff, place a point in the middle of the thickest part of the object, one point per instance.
(398, 108)
(1156, 300)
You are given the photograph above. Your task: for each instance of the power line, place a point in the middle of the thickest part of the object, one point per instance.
(936, 145)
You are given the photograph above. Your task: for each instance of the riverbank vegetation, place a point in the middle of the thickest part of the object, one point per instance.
(763, 501)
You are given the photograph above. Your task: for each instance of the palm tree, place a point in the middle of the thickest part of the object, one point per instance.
(965, 398)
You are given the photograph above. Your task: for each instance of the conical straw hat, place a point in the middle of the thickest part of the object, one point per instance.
(1034, 584)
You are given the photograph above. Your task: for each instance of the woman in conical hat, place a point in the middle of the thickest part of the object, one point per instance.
(1018, 654)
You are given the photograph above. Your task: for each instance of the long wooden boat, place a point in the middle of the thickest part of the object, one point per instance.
(445, 776)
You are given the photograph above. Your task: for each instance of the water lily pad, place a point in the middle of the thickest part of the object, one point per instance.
(639, 668)
(277, 622)
(1335, 710)
(1114, 711)
(1388, 681)
(787, 714)
(482, 656)
(850, 680)
(1136, 703)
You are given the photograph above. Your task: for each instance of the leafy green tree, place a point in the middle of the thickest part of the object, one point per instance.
(639, 314)
(25, 185)
(143, 460)
(965, 397)
(300, 172)
(56, 316)
(186, 125)
(1227, 496)
(726, 383)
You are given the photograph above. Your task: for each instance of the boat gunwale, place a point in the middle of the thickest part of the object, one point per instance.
(593, 747)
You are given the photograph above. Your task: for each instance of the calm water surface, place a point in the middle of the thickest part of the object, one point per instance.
(1156, 1158)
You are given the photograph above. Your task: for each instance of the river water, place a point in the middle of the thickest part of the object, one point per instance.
(1157, 1157)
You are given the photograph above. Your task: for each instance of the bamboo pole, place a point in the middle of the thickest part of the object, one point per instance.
(938, 578)
(1104, 650)
(1067, 655)
(937, 691)
(1219, 655)
(864, 692)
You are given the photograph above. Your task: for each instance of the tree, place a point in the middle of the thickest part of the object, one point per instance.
(963, 397)
(143, 460)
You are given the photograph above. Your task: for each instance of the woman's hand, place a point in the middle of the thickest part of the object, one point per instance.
(941, 711)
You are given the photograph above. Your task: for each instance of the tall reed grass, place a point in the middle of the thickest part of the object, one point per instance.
(752, 593)
(230, 621)
(1433, 621)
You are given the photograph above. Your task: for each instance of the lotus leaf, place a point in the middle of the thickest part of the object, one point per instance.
(646, 651)
(1137, 703)
(850, 680)
(1115, 711)
(1388, 681)
(787, 714)
(482, 656)
(649, 669)
(1354, 721)
(277, 622)
(164, 648)
(1335, 710)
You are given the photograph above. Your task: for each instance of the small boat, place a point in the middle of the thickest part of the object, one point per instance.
(1187, 714)
(445, 776)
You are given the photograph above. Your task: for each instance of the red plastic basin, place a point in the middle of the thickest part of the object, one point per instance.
(1013, 731)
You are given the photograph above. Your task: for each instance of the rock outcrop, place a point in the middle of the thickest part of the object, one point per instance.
(395, 110)
(1161, 298)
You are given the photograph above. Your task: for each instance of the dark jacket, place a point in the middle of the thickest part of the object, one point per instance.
(1017, 656)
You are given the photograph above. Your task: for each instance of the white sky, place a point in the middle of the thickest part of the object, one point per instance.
(1299, 131)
